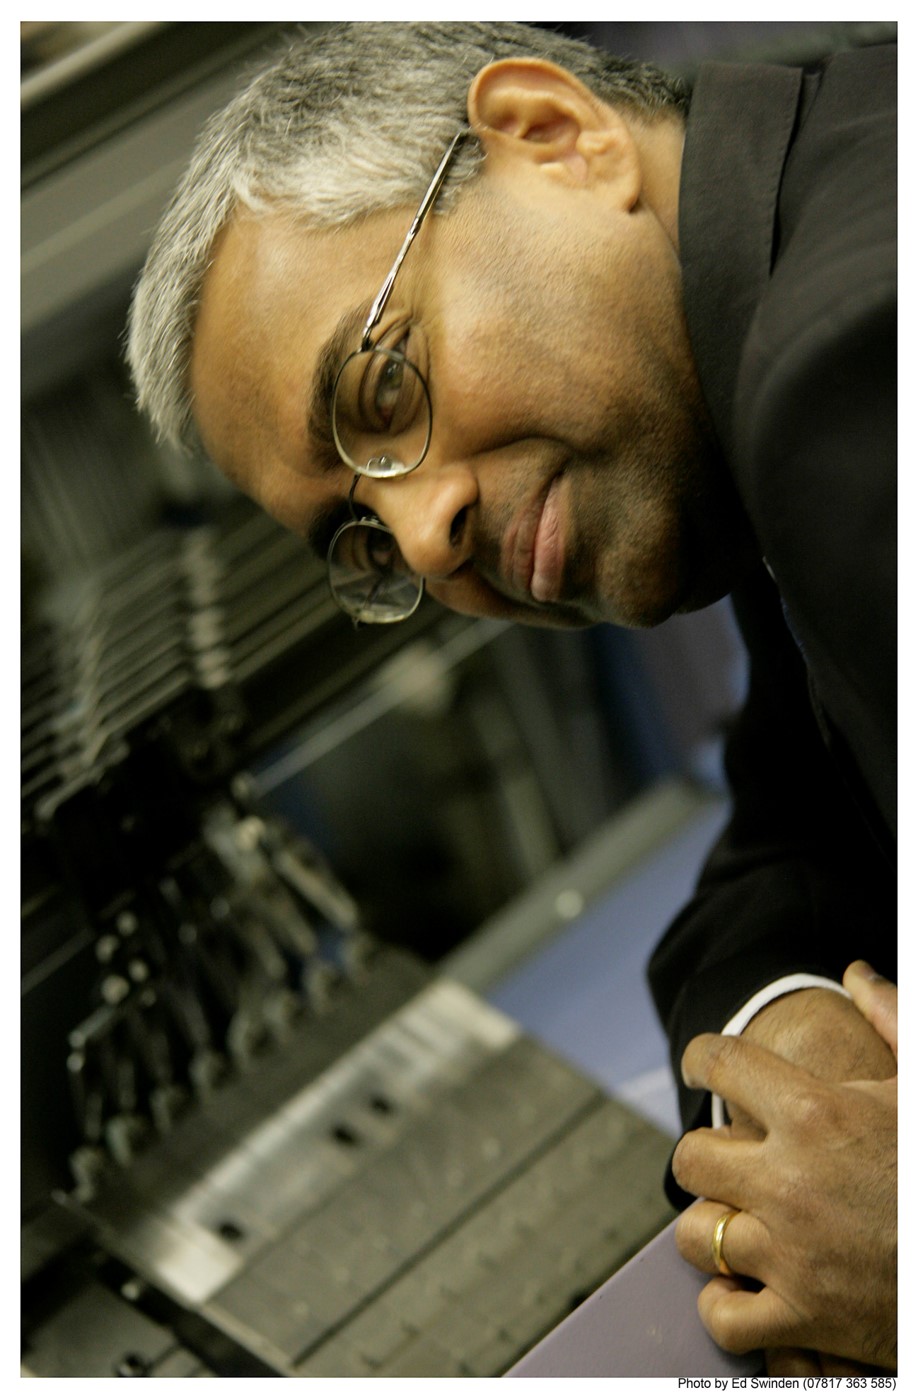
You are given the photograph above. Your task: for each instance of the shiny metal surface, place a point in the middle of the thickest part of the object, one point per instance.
(428, 1203)
(172, 1225)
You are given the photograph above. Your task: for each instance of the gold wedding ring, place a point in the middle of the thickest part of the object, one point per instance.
(717, 1244)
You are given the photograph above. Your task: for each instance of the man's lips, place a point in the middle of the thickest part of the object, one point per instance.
(548, 550)
(532, 556)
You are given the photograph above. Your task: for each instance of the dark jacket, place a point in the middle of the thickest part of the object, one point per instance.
(788, 242)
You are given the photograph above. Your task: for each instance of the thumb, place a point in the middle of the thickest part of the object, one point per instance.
(877, 999)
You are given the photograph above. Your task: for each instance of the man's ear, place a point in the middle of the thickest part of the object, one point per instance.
(532, 110)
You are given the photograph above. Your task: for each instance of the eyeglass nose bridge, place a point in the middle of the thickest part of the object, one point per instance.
(350, 498)
(363, 514)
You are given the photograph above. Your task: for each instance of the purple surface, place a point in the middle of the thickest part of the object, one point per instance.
(642, 1322)
(585, 995)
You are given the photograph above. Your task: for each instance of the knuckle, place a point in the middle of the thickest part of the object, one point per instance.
(813, 1109)
(729, 1336)
(793, 1193)
(709, 1058)
(686, 1232)
(720, 1321)
(789, 1192)
(684, 1158)
(698, 1055)
(725, 1053)
(738, 1333)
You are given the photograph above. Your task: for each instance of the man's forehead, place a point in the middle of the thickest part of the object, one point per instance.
(265, 272)
(277, 320)
(272, 308)
(273, 267)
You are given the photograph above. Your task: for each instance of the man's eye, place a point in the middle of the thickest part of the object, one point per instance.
(372, 549)
(382, 551)
(389, 386)
(389, 390)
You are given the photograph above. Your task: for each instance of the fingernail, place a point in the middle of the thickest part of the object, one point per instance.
(865, 971)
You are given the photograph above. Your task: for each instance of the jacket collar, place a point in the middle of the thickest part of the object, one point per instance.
(739, 130)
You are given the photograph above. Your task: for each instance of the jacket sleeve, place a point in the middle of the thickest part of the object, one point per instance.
(796, 883)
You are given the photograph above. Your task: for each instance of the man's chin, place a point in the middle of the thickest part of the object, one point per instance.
(636, 607)
(643, 603)
(602, 612)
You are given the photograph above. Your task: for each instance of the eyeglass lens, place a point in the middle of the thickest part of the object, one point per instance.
(381, 413)
(369, 578)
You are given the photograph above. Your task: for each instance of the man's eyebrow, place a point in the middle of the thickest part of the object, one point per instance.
(342, 341)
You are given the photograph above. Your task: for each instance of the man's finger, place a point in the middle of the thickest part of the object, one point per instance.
(711, 1164)
(762, 1083)
(877, 999)
(744, 1241)
(740, 1320)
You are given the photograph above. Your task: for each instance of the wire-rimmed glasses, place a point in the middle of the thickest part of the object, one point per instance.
(381, 419)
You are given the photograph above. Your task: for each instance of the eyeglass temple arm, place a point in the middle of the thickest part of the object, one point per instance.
(379, 304)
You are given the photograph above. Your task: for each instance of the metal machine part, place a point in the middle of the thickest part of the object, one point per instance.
(258, 1141)
(430, 1202)
(154, 943)
(293, 1152)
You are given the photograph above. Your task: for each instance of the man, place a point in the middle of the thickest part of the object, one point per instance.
(638, 348)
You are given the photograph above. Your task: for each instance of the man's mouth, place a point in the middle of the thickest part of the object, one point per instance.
(533, 551)
(548, 550)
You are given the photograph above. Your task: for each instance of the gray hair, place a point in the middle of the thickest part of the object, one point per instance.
(350, 120)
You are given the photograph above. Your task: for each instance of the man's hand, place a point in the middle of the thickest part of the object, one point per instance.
(815, 1182)
(822, 1032)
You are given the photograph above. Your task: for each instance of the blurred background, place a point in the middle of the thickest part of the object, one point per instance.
(518, 744)
(522, 810)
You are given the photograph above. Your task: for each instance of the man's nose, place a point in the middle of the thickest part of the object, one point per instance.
(430, 513)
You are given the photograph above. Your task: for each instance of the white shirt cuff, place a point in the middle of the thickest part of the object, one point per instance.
(797, 981)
